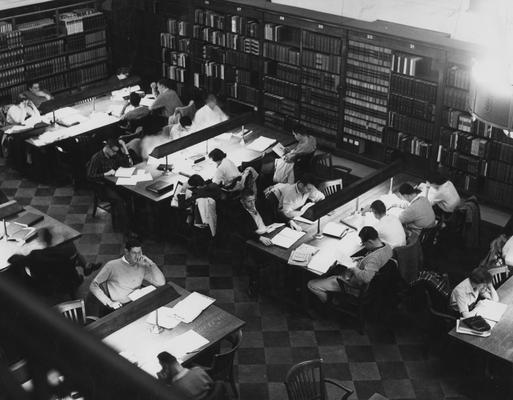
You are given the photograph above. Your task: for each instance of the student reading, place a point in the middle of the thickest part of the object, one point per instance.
(35, 94)
(166, 98)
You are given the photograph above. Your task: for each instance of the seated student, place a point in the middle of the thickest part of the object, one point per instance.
(376, 256)
(201, 189)
(501, 250)
(23, 112)
(247, 220)
(441, 193)
(122, 276)
(183, 128)
(389, 228)
(166, 98)
(133, 109)
(35, 94)
(418, 213)
(306, 144)
(292, 196)
(194, 383)
(208, 115)
(113, 155)
(477, 286)
(227, 172)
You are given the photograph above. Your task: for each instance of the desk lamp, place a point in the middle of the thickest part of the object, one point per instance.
(156, 328)
(319, 234)
(167, 168)
(391, 188)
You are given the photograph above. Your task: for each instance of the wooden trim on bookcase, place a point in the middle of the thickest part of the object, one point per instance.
(442, 72)
(342, 88)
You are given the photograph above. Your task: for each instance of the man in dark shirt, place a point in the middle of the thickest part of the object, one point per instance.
(105, 163)
(37, 95)
(201, 189)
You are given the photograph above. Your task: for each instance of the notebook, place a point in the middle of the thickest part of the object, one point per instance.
(160, 187)
(287, 237)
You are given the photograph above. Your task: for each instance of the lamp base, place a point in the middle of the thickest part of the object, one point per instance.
(318, 236)
(156, 329)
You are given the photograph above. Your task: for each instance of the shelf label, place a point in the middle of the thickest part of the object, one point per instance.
(320, 26)
(370, 36)
(412, 46)
(239, 9)
(207, 2)
(282, 18)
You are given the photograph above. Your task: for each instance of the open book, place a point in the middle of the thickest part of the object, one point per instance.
(287, 237)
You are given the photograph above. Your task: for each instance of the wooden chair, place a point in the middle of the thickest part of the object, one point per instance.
(306, 381)
(221, 368)
(330, 187)
(409, 258)
(322, 166)
(75, 311)
(499, 275)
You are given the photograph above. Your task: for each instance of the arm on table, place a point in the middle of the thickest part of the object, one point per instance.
(153, 274)
(98, 292)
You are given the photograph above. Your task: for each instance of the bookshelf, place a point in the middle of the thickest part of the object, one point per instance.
(61, 47)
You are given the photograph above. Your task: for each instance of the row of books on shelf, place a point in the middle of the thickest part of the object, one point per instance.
(281, 88)
(370, 54)
(74, 22)
(365, 118)
(174, 42)
(209, 18)
(208, 52)
(412, 107)
(35, 24)
(5, 26)
(46, 67)
(91, 39)
(322, 118)
(281, 53)
(364, 106)
(282, 33)
(500, 171)
(413, 88)
(500, 192)
(55, 83)
(321, 79)
(407, 143)
(464, 142)
(7, 95)
(87, 57)
(173, 72)
(177, 27)
(412, 126)
(320, 98)
(408, 64)
(242, 92)
(462, 162)
(458, 77)
(280, 104)
(367, 96)
(368, 72)
(315, 128)
(363, 125)
(232, 23)
(227, 39)
(501, 151)
(22, 55)
(249, 78)
(320, 42)
(175, 58)
(457, 98)
(9, 40)
(321, 61)
(285, 72)
(242, 60)
(211, 69)
(363, 134)
(81, 76)
(462, 180)
(274, 119)
(457, 119)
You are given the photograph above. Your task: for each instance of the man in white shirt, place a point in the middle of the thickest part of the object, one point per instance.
(292, 197)
(389, 227)
(477, 286)
(441, 193)
(208, 115)
(226, 172)
(507, 252)
(23, 112)
(183, 128)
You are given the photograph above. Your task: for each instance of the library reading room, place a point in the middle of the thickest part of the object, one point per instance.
(256, 199)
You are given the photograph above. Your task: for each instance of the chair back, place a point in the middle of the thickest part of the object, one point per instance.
(222, 364)
(305, 381)
(218, 392)
(499, 275)
(322, 165)
(188, 110)
(409, 258)
(330, 187)
(73, 310)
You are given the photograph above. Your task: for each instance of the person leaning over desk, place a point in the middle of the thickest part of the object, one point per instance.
(120, 277)
(166, 99)
(208, 115)
(35, 94)
(23, 112)
(377, 254)
(441, 193)
(133, 109)
(465, 296)
(418, 213)
(198, 189)
(227, 172)
(389, 228)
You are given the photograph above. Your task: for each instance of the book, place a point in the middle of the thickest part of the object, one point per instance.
(261, 143)
(490, 310)
(287, 237)
(122, 172)
(29, 219)
(302, 255)
(461, 328)
(335, 229)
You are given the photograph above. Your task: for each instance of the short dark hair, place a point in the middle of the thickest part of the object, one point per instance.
(132, 242)
(480, 275)
(246, 192)
(166, 83)
(298, 129)
(306, 179)
(166, 358)
(368, 233)
(123, 70)
(406, 188)
(196, 180)
(378, 207)
(111, 142)
(437, 178)
(20, 98)
(31, 83)
(211, 97)
(217, 155)
(135, 99)
(185, 121)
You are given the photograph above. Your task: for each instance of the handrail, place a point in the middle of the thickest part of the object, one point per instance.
(52, 341)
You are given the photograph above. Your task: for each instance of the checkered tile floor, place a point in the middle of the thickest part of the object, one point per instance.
(389, 361)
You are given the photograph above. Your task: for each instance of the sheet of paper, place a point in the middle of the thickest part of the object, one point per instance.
(166, 318)
(187, 342)
(287, 237)
(336, 252)
(490, 310)
(391, 200)
(122, 172)
(147, 100)
(306, 207)
(127, 181)
(138, 293)
(188, 309)
(144, 177)
(261, 143)
(335, 229)
(279, 149)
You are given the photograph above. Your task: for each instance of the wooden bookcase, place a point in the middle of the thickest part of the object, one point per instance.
(63, 47)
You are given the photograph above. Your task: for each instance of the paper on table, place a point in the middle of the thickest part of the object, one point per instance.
(127, 181)
(279, 149)
(287, 237)
(147, 100)
(490, 310)
(325, 258)
(306, 207)
(142, 177)
(185, 343)
(166, 318)
(138, 293)
(188, 309)
(261, 143)
(461, 328)
(391, 200)
(122, 172)
(335, 229)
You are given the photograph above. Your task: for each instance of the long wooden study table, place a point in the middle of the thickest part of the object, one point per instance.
(127, 331)
(61, 234)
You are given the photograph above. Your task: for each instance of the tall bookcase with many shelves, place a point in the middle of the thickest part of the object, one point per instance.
(62, 48)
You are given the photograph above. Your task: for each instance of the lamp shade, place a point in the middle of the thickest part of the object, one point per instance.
(490, 105)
